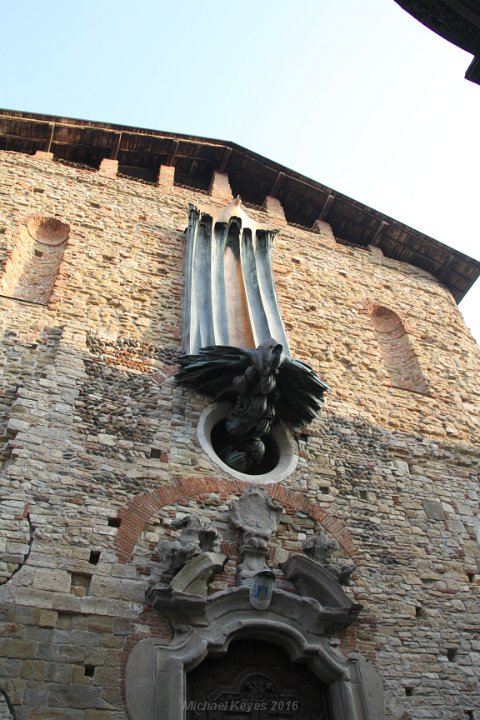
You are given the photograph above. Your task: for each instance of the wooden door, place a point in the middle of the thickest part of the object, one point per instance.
(254, 681)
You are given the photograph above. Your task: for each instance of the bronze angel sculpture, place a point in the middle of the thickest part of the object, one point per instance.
(263, 387)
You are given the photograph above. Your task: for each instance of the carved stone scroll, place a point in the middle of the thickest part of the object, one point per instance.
(316, 575)
(320, 549)
(194, 539)
(186, 565)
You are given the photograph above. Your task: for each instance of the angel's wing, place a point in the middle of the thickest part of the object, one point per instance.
(300, 392)
(212, 369)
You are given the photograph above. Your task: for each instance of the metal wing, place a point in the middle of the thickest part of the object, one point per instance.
(299, 392)
(212, 369)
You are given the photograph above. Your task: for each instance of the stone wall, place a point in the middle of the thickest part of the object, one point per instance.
(100, 447)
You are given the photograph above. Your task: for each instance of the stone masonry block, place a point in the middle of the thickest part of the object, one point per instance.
(220, 187)
(119, 589)
(274, 209)
(434, 510)
(58, 672)
(109, 168)
(47, 618)
(53, 580)
(75, 696)
(33, 670)
(166, 176)
(17, 649)
(44, 713)
(42, 155)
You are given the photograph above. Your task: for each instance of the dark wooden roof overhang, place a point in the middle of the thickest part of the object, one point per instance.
(458, 21)
(141, 152)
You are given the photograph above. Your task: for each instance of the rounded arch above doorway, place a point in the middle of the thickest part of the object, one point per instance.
(156, 673)
(255, 678)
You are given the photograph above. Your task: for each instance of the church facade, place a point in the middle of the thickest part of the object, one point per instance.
(134, 553)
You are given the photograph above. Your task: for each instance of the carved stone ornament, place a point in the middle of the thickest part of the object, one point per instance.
(315, 575)
(303, 623)
(186, 566)
(263, 385)
(195, 538)
(156, 672)
(320, 548)
(257, 516)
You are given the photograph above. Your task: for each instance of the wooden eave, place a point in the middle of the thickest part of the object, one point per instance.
(458, 21)
(141, 152)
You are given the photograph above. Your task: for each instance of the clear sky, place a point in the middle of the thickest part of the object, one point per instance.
(353, 93)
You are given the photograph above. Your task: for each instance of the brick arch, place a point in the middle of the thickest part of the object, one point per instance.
(399, 357)
(138, 512)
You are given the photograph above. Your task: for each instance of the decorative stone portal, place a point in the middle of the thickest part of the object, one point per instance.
(255, 680)
(296, 629)
(157, 674)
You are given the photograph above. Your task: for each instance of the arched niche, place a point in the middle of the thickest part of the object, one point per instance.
(398, 354)
(32, 269)
(157, 673)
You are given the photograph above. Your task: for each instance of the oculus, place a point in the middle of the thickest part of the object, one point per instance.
(263, 386)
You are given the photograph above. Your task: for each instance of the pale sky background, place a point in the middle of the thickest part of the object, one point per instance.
(355, 94)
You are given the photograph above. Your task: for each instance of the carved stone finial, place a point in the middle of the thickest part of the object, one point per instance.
(320, 549)
(257, 515)
(195, 538)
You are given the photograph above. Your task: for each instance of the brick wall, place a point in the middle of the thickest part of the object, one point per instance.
(101, 449)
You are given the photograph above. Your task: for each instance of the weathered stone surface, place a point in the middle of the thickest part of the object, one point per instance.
(99, 447)
(75, 696)
(434, 510)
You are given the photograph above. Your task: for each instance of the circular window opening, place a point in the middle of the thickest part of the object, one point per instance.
(278, 462)
(220, 441)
